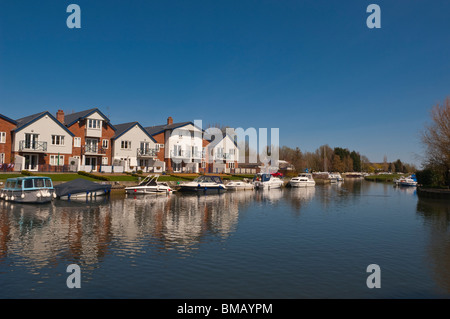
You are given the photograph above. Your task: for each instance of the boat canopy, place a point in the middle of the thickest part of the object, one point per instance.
(80, 185)
(29, 183)
(208, 179)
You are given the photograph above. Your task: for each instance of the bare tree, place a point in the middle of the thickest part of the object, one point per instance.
(436, 139)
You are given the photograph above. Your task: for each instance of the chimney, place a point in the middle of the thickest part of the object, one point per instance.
(169, 120)
(60, 116)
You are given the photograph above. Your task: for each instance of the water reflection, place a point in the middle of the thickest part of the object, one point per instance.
(86, 231)
(436, 216)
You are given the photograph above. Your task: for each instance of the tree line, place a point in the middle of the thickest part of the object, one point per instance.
(339, 159)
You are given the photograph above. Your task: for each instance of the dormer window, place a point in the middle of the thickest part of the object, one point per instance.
(94, 124)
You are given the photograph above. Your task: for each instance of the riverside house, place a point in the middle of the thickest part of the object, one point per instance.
(41, 142)
(92, 133)
(223, 155)
(179, 145)
(6, 127)
(135, 149)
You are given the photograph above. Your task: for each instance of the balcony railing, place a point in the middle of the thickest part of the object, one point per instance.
(180, 154)
(32, 146)
(224, 156)
(186, 154)
(93, 149)
(149, 152)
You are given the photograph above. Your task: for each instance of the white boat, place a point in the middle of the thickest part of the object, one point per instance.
(149, 185)
(266, 181)
(35, 189)
(302, 180)
(204, 184)
(335, 177)
(407, 181)
(239, 185)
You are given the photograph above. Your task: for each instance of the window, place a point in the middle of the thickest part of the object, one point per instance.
(203, 164)
(104, 161)
(2, 137)
(57, 139)
(161, 145)
(125, 144)
(28, 183)
(77, 142)
(54, 160)
(105, 144)
(2, 158)
(231, 165)
(95, 124)
(232, 150)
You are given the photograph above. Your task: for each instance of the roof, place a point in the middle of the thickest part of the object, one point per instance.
(153, 130)
(125, 127)
(25, 121)
(7, 119)
(71, 119)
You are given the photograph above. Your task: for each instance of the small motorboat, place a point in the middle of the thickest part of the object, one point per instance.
(302, 180)
(149, 185)
(267, 181)
(81, 188)
(30, 189)
(204, 184)
(335, 177)
(407, 181)
(240, 185)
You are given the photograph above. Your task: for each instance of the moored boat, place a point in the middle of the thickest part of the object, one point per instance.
(239, 185)
(267, 181)
(30, 189)
(302, 180)
(204, 184)
(81, 188)
(149, 185)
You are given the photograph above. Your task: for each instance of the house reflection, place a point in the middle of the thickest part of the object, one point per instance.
(84, 232)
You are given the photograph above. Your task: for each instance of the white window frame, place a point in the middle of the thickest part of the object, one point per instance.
(104, 160)
(125, 145)
(54, 160)
(77, 142)
(2, 137)
(2, 158)
(58, 140)
(94, 124)
(103, 143)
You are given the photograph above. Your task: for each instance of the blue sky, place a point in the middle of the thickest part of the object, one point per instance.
(311, 68)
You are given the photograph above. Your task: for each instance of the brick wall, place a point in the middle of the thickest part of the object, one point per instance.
(6, 148)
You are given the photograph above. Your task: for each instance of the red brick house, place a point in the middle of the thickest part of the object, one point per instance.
(92, 132)
(7, 125)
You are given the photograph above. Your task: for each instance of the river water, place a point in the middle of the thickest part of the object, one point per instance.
(288, 243)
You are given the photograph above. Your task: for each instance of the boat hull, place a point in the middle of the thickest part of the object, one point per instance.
(303, 184)
(202, 189)
(147, 190)
(31, 196)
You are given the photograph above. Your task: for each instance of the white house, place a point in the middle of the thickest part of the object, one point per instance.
(41, 142)
(183, 143)
(135, 148)
(222, 154)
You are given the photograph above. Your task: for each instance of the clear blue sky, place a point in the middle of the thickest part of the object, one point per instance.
(311, 68)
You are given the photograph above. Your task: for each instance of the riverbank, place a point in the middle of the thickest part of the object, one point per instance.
(435, 193)
(385, 178)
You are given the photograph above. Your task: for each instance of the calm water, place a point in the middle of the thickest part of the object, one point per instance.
(290, 243)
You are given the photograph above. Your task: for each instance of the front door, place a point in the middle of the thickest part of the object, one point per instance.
(91, 161)
(31, 162)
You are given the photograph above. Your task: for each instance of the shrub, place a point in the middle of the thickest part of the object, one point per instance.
(101, 178)
(27, 173)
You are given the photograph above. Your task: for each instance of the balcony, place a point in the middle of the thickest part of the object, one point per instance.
(93, 150)
(180, 154)
(32, 146)
(149, 152)
(223, 156)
